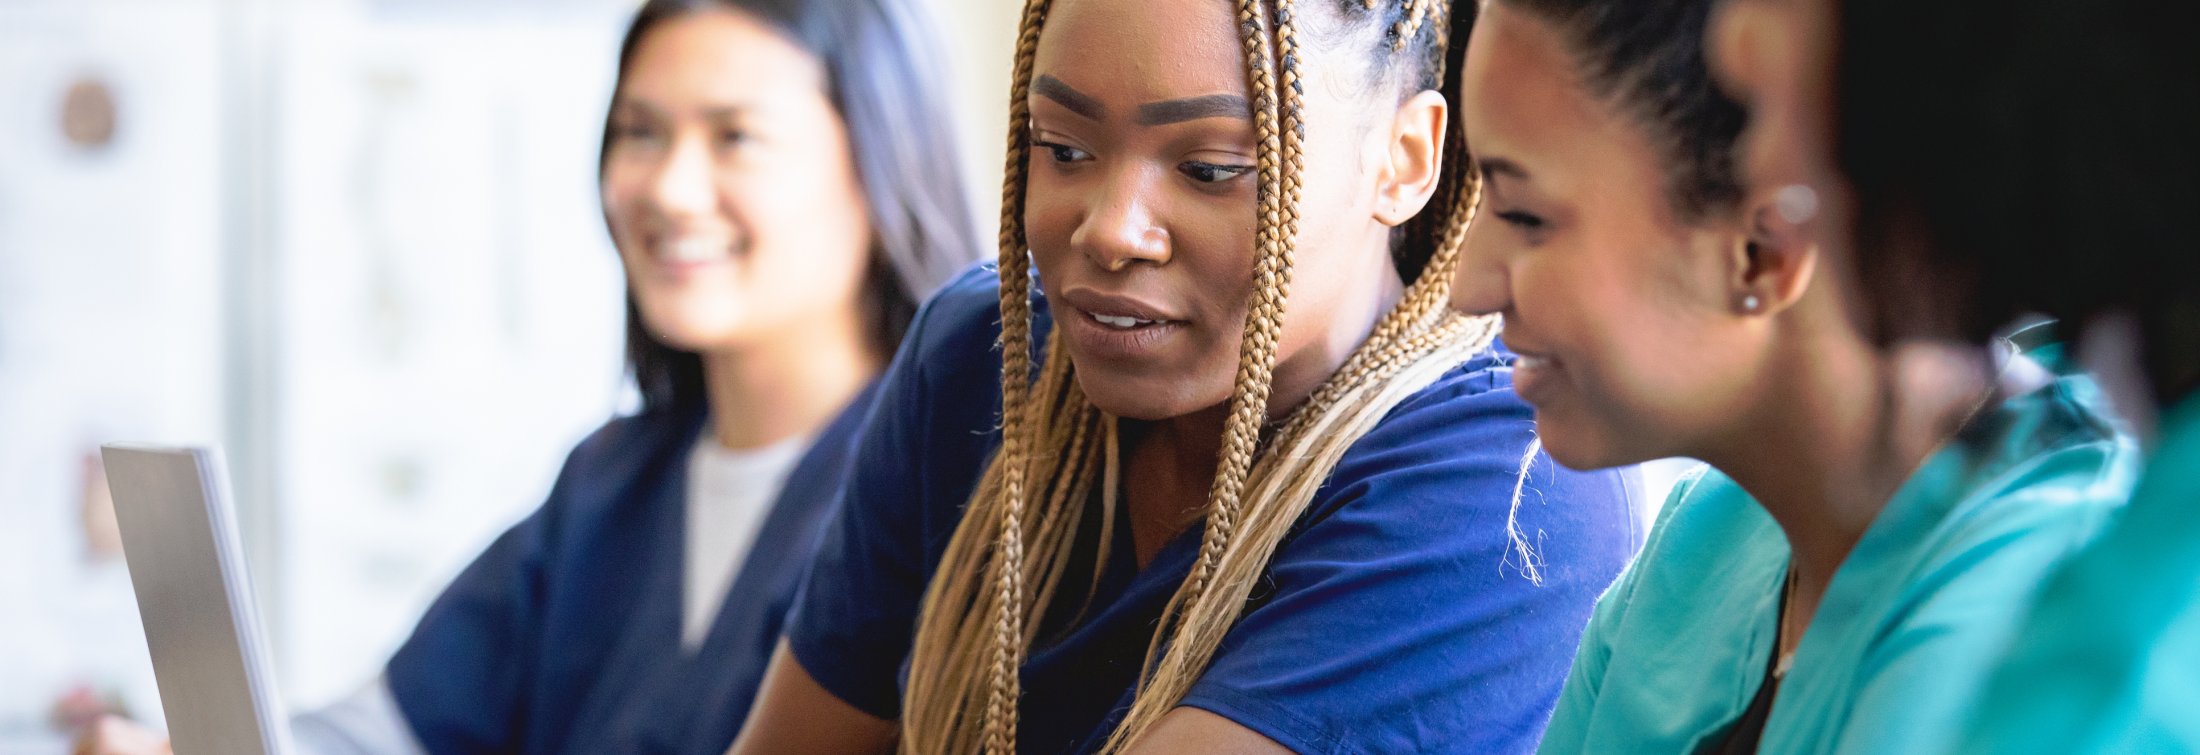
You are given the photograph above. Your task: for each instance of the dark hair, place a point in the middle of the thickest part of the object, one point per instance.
(885, 76)
(2027, 156)
(1648, 58)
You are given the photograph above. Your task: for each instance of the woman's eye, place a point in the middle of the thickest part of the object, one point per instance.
(631, 132)
(731, 137)
(1212, 173)
(1521, 220)
(1062, 153)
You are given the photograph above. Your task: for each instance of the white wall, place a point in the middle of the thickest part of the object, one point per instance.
(983, 35)
(110, 313)
(453, 312)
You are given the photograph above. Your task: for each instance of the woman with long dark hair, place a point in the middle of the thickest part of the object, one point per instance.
(781, 182)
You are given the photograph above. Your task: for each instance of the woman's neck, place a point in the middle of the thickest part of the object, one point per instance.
(1840, 428)
(1349, 322)
(789, 385)
(1171, 463)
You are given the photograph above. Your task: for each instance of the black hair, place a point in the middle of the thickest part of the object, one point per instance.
(888, 81)
(1648, 57)
(2027, 157)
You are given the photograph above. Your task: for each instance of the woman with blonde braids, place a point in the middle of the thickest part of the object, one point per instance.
(1247, 484)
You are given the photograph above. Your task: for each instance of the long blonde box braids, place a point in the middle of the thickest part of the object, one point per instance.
(980, 603)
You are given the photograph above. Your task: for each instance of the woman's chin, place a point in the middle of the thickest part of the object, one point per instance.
(1582, 448)
(1141, 400)
(691, 334)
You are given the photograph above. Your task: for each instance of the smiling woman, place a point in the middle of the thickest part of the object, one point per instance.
(1663, 306)
(1251, 486)
(781, 188)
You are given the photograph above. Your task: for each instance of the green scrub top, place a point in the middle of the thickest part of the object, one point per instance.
(2109, 661)
(1909, 627)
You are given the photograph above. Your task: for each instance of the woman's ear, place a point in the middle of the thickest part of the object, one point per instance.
(1774, 257)
(1409, 176)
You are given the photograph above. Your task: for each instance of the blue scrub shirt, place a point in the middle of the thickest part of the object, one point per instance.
(1908, 629)
(564, 636)
(1396, 617)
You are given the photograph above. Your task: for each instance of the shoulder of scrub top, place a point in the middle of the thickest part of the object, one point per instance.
(954, 337)
(2074, 466)
(1448, 563)
(1439, 443)
(607, 465)
(1470, 413)
(2044, 476)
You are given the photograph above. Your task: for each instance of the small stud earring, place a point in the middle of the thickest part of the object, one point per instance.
(1750, 303)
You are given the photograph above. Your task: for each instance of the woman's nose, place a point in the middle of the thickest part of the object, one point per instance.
(683, 184)
(1120, 228)
(1482, 285)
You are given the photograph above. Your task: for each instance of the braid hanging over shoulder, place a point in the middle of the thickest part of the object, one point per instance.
(1006, 560)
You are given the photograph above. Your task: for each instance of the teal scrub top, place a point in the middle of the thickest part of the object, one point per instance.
(2109, 661)
(1909, 627)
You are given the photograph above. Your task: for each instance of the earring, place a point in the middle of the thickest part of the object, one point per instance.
(1750, 303)
(1796, 203)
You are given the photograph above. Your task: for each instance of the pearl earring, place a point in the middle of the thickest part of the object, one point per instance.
(1750, 303)
(1796, 203)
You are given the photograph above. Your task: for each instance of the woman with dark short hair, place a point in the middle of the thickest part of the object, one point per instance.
(2015, 159)
(1846, 569)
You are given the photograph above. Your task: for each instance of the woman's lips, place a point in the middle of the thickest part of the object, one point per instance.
(674, 258)
(695, 250)
(1113, 337)
(1114, 326)
(1534, 376)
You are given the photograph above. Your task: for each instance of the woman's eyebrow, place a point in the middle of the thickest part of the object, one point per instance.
(716, 111)
(1496, 167)
(1194, 108)
(1068, 97)
(1159, 113)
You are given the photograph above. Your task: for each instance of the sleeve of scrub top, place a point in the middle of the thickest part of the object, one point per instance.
(1400, 617)
(1585, 681)
(855, 619)
(460, 679)
(1922, 679)
(366, 723)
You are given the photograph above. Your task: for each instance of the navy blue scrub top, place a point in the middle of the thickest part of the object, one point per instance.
(1398, 617)
(564, 636)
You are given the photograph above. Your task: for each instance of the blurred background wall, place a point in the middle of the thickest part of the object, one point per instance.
(355, 242)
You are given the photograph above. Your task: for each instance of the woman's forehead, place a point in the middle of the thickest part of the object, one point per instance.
(1124, 52)
(687, 58)
(1523, 104)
